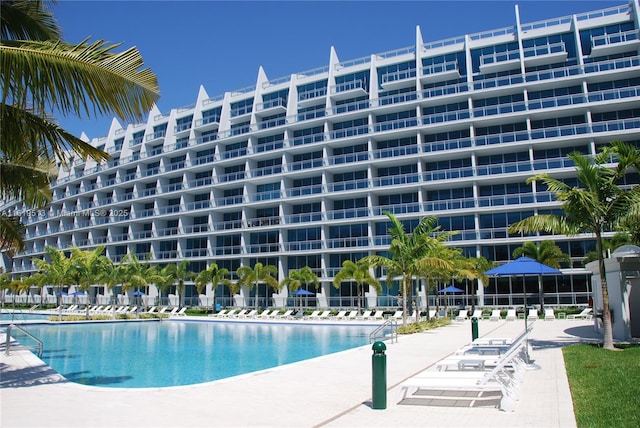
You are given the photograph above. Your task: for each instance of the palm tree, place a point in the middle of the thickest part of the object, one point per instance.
(251, 277)
(110, 275)
(597, 205)
(358, 272)
(5, 280)
(41, 74)
(58, 271)
(214, 276)
(162, 278)
(135, 274)
(547, 253)
(476, 266)
(299, 277)
(409, 254)
(87, 266)
(181, 274)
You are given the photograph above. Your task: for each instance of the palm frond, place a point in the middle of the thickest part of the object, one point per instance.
(27, 20)
(23, 131)
(84, 79)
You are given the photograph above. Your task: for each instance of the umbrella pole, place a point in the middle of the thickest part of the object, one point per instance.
(527, 359)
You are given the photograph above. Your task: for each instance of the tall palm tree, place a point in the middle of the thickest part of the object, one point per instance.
(162, 278)
(476, 266)
(252, 276)
(409, 254)
(181, 275)
(212, 275)
(298, 278)
(40, 74)
(547, 253)
(58, 271)
(135, 273)
(360, 273)
(86, 267)
(597, 205)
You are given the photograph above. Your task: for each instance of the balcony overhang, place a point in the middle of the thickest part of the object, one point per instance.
(496, 67)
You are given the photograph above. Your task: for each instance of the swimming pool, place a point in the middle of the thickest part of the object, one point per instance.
(172, 353)
(18, 316)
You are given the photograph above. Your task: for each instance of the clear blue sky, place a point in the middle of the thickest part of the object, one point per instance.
(221, 44)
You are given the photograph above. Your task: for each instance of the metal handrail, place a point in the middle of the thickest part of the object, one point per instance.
(39, 342)
(388, 323)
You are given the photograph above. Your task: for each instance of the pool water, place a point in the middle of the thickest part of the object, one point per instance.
(172, 353)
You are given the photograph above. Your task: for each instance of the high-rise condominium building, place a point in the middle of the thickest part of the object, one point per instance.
(298, 171)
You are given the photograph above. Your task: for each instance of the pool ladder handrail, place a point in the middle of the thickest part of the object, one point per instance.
(38, 347)
(373, 336)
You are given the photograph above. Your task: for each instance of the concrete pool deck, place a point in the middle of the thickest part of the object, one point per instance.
(333, 390)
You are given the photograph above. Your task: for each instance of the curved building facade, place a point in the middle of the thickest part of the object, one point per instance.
(297, 171)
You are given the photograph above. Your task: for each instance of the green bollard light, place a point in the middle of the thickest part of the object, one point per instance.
(474, 328)
(379, 371)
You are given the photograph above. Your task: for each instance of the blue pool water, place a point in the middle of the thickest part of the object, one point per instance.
(157, 354)
(7, 317)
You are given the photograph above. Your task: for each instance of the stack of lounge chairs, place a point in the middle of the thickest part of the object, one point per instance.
(487, 371)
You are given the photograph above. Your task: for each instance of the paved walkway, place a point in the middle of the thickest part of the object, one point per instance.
(333, 390)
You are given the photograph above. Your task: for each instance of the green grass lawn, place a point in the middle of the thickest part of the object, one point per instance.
(605, 385)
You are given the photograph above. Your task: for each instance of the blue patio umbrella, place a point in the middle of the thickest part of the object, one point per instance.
(138, 293)
(450, 289)
(300, 292)
(61, 293)
(78, 293)
(523, 266)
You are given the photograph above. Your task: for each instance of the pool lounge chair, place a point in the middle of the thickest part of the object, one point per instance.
(432, 313)
(366, 315)
(511, 315)
(152, 310)
(397, 315)
(462, 315)
(495, 315)
(549, 315)
(585, 314)
(286, 315)
(351, 315)
(533, 315)
(340, 315)
(264, 314)
(313, 315)
(325, 315)
(251, 314)
(468, 386)
(181, 312)
(477, 314)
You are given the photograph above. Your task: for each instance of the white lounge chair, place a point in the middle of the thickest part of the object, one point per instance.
(533, 315)
(511, 315)
(181, 312)
(264, 314)
(462, 315)
(286, 315)
(313, 315)
(397, 315)
(585, 314)
(251, 314)
(549, 315)
(325, 315)
(238, 314)
(221, 313)
(340, 315)
(152, 310)
(450, 385)
(351, 315)
(366, 315)
(495, 315)
(378, 315)
(477, 314)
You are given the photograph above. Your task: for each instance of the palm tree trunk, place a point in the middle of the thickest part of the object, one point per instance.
(404, 301)
(607, 326)
(541, 293)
